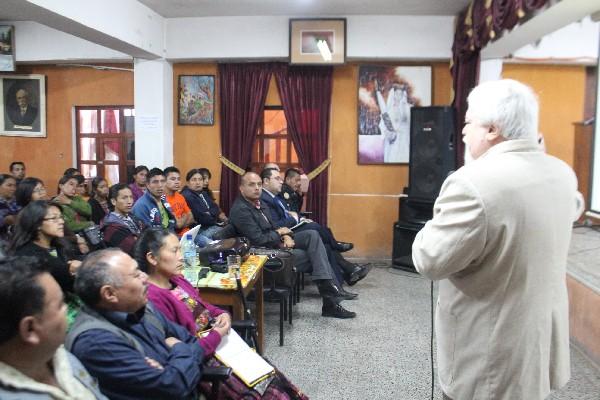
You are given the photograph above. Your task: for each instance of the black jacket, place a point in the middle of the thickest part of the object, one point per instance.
(58, 266)
(254, 224)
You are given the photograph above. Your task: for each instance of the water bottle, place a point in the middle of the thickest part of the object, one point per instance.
(189, 252)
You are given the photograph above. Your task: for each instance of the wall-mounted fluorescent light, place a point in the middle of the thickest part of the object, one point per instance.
(324, 49)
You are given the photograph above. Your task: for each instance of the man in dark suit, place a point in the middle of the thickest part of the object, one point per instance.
(283, 217)
(24, 114)
(252, 220)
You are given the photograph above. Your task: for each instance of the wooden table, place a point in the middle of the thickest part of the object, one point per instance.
(219, 289)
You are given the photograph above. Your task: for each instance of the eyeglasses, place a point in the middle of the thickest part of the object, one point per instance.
(55, 218)
(39, 190)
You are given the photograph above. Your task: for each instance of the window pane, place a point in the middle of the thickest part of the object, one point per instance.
(275, 150)
(111, 173)
(294, 156)
(88, 121)
(131, 149)
(111, 150)
(89, 171)
(87, 147)
(109, 122)
(275, 122)
(129, 122)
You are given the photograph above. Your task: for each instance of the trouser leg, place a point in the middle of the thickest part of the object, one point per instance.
(312, 244)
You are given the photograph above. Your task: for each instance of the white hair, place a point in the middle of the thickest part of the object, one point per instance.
(508, 105)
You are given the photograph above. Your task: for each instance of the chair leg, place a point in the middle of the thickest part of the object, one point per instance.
(290, 306)
(281, 312)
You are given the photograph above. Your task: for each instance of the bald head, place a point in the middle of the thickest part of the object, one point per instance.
(251, 186)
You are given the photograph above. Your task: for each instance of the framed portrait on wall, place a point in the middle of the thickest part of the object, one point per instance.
(23, 105)
(7, 48)
(196, 105)
(385, 96)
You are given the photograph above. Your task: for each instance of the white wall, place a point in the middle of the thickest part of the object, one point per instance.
(368, 37)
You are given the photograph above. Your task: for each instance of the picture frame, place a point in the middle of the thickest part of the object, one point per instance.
(7, 48)
(196, 100)
(385, 95)
(317, 41)
(23, 105)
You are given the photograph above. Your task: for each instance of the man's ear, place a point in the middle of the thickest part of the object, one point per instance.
(108, 294)
(28, 330)
(492, 134)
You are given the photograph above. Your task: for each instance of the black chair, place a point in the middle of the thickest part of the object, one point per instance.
(279, 290)
(246, 328)
(215, 375)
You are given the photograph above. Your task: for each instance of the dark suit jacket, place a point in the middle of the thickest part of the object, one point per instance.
(253, 223)
(26, 120)
(277, 214)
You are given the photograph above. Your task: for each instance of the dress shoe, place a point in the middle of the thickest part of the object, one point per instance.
(343, 246)
(329, 290)
(358, 274)
(348, 295)
(335, 310)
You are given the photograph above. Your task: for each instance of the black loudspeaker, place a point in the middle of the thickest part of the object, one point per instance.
(415, 211)
(432, 151)
(404, 236)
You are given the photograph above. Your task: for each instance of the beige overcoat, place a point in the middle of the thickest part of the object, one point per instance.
(498, 243)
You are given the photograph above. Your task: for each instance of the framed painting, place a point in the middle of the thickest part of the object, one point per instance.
(318, 41)
(7, 48)
(23, 105)
(385, 97)
(196, 105)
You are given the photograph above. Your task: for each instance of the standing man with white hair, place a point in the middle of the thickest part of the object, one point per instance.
(498, 243)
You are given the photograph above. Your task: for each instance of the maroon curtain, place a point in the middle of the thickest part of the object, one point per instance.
(476, 25)
(242, 92)
(306, 98)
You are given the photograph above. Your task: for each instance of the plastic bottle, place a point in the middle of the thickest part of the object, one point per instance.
(189, 252)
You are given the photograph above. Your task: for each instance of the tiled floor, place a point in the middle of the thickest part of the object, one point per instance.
(384, 353)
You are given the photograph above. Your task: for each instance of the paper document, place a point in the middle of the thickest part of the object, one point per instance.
(299, 224)
(249, 366)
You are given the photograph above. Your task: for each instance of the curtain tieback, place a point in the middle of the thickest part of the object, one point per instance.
(231, 165)
(312, 174)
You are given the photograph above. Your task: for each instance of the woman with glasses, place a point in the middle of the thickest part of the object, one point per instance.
(40, 232)
(30, 189)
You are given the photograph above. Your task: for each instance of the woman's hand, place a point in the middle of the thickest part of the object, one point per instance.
(73, 266)
(62, 199)
(222, 324)
(82, 245)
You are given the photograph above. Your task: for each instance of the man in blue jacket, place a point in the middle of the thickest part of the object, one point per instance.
(152, 208)
(133, 350)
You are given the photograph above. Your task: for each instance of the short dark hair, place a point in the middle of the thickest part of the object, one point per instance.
(292, 172)
(4, 177)
(205, 172)
(25, 190)
(20, 293)
(116, 188)
(151, 240)
(267, 173)
(94, 273)
(71, 171)
(170, 170)
(79, 178)
(154, 172)
(12, 165)
(192, 172)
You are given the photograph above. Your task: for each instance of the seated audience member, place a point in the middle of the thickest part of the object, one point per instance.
(183, 215)
(33, 362)
(200, 204)
(99, 199)
(40, 232)
(213, 200)
(272, 165)
(251, 219)
(82, 189)
(131, 348)
(152, 208)
(282, 217)
(30, 189)
(158, 254)
(291, 191)
(120, 227)
(76, 211)
(71, 171)
(17, 169)
(8, 206)
(138, 186)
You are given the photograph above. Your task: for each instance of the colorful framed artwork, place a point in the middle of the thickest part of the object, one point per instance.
(385, 97)
(7, 48)
(196, 105)
(23, 105)
(318, 41)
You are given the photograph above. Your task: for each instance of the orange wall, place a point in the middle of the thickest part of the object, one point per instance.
(561, 92)
(66, 87)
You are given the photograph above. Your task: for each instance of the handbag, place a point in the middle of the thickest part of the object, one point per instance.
(279, 268)
(215, 254)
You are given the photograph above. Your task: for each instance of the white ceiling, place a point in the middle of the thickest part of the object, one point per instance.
(308, 8)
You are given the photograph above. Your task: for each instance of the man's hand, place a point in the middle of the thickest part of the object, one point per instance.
(73, 266)
(288, 242)
(171, 341)
(10, 219)
(283, 231)
(153, 363)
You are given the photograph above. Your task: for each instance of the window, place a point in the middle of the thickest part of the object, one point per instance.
(273, 143)
(105, 142)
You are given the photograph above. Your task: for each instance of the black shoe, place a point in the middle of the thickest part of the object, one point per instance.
(348, 295)
(334, 310)
(358, 274)
(329, 290)
(342, 247)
